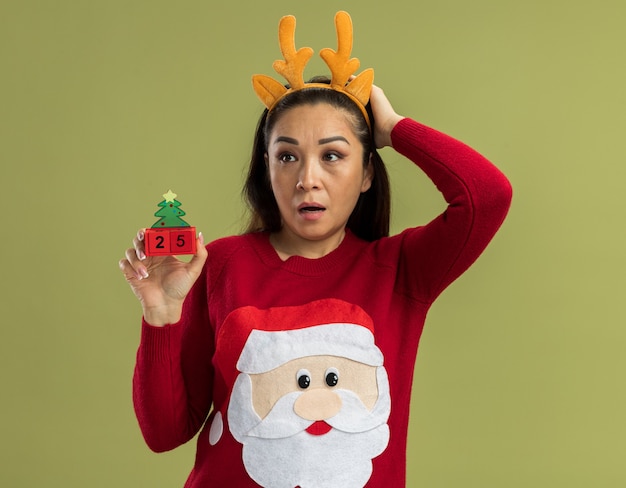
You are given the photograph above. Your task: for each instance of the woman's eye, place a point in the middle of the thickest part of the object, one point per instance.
(332, 157)
(286, 158)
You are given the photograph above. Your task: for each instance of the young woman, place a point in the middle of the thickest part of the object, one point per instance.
(291, 348)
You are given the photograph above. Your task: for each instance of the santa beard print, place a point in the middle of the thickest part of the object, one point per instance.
(279, 453)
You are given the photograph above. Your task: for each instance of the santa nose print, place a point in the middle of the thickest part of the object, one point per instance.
(318, 402)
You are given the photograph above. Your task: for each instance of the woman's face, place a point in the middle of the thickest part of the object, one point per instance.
(315, 163)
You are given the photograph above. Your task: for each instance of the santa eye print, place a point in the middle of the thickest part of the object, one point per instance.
(332, 377)
(303, 378)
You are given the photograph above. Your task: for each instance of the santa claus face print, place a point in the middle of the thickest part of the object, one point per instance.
(315, 163)
(314, 421)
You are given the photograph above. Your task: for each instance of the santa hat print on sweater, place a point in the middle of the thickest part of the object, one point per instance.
(255, 341)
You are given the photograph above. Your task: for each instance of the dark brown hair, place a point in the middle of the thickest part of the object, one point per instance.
(370, 218)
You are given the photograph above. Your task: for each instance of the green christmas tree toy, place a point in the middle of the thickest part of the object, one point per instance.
(170, 235)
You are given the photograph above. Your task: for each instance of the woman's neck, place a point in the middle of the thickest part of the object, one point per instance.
(311, 249)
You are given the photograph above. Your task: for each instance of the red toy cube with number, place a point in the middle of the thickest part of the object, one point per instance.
(170, 241)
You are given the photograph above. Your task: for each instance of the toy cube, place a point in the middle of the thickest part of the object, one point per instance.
(170, 241)
(183, 241)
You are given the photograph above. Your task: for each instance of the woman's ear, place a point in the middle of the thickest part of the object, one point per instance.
(368, 175)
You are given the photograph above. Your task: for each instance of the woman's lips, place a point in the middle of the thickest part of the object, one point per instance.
(311, 206)
(311, 211)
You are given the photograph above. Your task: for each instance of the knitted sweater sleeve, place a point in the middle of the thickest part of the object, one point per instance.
(478, 197)
(173, 376)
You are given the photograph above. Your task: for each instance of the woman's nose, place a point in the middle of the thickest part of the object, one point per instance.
(309, 176)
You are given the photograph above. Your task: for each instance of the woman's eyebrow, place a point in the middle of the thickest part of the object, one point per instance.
(289, 140)
(333, 139)
(326, 140)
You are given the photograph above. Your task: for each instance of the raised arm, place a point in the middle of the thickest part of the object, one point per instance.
(477, 193)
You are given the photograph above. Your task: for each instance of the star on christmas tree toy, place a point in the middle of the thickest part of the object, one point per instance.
(170, 235)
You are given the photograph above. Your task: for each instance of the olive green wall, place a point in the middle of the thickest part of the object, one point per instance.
(105, 105)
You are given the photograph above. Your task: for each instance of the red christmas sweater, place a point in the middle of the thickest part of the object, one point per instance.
(298, 373)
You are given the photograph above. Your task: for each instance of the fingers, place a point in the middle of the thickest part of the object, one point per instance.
(198, 260)
(381, 105)
(128, 271)
(140, 255)
(132, 266)
(139, 245)
(385, 115)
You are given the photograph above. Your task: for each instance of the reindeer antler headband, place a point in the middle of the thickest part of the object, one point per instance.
(292, 67)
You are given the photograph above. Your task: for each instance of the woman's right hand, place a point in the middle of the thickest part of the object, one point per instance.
(385, 116)
(161, 283)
